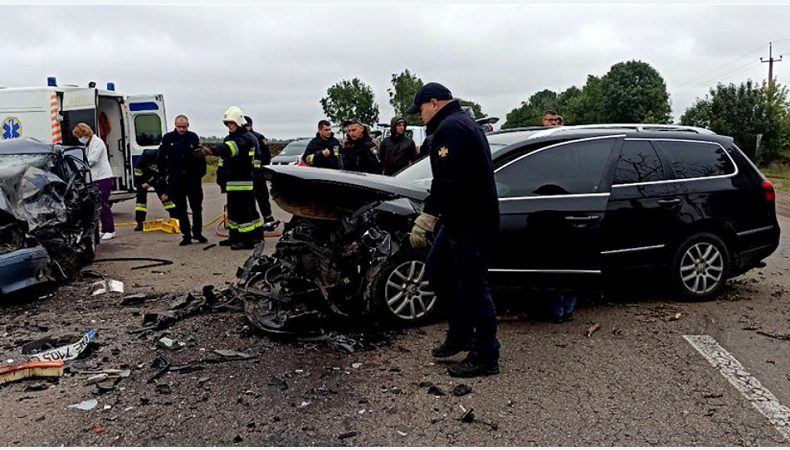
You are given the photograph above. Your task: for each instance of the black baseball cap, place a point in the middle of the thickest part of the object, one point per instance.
(248, 119)
(426, 93)
(356, 120)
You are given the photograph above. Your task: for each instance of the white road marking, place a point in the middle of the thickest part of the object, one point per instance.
(747, 385)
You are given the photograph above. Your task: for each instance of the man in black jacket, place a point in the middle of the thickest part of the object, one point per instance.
(397, 150)
(324, 149)
(263, 157)
(184, 172)
(463, 210)
(359, 152)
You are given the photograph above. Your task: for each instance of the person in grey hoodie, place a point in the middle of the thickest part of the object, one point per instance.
(397, 150)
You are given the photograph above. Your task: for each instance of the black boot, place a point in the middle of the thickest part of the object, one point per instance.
(473, 366)
(185, 241)
(200, 238)
(225, 243)
(139, 227)
(449, 348)
(242, 246)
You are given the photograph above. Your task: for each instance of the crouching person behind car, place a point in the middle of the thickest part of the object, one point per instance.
(463, 202)
(146, 175)
(237, 152)
(101, 173)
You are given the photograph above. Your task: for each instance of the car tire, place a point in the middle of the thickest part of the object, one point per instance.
(399, 291)
(700, 266)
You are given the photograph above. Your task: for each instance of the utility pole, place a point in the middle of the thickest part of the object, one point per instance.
(770, 62)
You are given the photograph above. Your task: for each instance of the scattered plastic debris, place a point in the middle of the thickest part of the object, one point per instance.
(435, 390)
(105, 286)
(64, 353)
(595, 327)
(86, 405)
(461, 390)
(170, 344)
(673, 317)
(402, 433)
(232, 354)
(468, 416)
(347, 434)
(46, 369)
(356, 365)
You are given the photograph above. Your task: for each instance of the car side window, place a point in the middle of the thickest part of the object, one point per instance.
(697, 159)
(570, 168)
(638, 163)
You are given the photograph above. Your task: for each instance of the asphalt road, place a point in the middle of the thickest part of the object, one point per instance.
(636, 381)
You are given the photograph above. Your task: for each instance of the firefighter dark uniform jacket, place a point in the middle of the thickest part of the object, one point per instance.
(361, 155)
(177, 161)
(397, 152)
(314, 156)
(238, 152)
(263, 157)
(463, 193)
(146, 171)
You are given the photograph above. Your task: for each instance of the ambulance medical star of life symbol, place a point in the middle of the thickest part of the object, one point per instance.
(12, 128)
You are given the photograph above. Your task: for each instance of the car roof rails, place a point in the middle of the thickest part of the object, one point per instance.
(639, 127)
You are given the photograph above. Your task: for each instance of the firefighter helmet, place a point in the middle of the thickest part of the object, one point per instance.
(234, 114)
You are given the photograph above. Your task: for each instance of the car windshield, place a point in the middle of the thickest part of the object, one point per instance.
(420, 174)
(295, 148)
(13, 162)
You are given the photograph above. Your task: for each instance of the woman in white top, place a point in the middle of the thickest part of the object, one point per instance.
(101, 172)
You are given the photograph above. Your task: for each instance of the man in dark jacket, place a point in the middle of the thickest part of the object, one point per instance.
(262, 158)
(463, 203)
(397, 150)
(324, 149)
(359, 152)
(147, 175)
(184, 172)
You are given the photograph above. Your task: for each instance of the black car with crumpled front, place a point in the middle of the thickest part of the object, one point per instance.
(577, 205)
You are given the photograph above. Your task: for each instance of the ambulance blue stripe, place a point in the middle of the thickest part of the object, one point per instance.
(143, 106)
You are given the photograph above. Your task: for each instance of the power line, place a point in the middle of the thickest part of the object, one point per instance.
(740, 69)
(722, 66)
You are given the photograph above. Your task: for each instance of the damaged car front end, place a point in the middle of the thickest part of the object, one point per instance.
(49, 211)
(344, 255)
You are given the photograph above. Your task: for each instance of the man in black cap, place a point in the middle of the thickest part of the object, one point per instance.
(359, 152)
(263, 157)
(462, 211)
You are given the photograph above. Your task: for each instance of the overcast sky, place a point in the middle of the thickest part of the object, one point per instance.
(276, 62)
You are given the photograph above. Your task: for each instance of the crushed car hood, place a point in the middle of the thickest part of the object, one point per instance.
(325, 193)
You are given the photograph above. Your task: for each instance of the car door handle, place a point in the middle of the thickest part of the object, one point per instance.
(577, 219)
(669, 202)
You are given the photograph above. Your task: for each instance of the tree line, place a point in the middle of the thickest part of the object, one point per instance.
(757, 116)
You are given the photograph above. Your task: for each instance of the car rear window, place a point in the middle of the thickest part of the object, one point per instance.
(638, 163)
(697, 159)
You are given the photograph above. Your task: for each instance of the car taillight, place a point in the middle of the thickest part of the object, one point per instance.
(768, 188)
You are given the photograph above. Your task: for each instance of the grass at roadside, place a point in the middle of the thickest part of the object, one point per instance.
(779, 174)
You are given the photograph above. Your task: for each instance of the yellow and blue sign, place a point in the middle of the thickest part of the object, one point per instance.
(12, 128)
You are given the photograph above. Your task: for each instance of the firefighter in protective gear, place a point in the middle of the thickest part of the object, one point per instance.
(263, 157)
(237, 153)
(146, 174)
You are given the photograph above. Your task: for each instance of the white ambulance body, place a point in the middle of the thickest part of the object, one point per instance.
(128, 124)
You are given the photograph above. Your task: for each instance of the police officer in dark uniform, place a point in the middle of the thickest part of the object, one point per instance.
(184, 171)
(324, 149)
(263, 157)
(359, 153)
(146, 175)
(237, 152)
(463, 212)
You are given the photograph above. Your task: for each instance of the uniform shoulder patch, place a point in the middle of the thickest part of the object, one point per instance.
(443, 152)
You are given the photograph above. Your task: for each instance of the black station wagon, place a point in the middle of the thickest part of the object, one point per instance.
(578, 205)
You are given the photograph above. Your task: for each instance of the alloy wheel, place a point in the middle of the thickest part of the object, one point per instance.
(407, 292)
(702, 268)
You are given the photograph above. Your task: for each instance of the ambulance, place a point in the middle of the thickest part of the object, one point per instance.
(128, 124)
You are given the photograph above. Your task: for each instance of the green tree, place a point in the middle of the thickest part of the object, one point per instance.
(634, 92)
(744, 112)
(477, 110)
(404, 87)
(347, 99)
(585, 106)
(530, 113)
